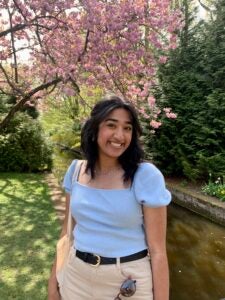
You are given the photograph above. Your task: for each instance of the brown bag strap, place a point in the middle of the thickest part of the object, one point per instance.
(70, 220)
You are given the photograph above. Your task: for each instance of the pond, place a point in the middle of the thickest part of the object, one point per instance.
(196, 252)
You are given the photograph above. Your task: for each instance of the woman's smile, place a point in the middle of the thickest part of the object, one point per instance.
(116, 145)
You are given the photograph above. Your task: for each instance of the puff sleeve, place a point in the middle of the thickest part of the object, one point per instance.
(68, 178)
(149, 185)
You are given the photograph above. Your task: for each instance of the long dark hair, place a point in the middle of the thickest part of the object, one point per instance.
(133, 155)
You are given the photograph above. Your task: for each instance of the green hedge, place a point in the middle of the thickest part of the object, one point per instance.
(23, 147)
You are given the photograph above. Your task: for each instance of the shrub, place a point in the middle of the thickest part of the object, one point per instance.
(23, 147)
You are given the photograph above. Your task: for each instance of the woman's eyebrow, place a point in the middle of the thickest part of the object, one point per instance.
(115, 120)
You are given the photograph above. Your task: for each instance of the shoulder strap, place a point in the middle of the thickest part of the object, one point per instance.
(77, 166)
(74, 178)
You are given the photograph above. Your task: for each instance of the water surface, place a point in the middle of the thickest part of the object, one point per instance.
(196, 251)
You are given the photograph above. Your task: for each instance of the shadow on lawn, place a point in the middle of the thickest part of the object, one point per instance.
(29, 231)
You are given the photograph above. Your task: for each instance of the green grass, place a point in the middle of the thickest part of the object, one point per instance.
(28, 233)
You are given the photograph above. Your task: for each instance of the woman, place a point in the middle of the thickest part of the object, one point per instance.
(118, 203)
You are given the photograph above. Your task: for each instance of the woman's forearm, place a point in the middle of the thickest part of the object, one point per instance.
(53, 288)
(52, 282)
(160, 273)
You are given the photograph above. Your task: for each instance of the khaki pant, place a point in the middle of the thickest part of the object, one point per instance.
(83, 281)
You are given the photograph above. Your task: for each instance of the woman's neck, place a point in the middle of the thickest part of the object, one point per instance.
(106, 165)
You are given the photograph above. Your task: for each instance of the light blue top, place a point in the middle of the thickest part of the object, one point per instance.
(109, 222)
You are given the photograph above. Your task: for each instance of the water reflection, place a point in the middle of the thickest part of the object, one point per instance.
(196, 251)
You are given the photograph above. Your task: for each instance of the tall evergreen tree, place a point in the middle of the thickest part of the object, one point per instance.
(192, 84)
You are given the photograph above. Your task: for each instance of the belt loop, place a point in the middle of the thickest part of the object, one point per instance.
(118, 264)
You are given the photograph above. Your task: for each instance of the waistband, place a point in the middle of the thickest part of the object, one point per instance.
(97, 260)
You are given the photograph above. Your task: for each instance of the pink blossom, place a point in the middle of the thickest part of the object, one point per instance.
(171, 115)
(92, 42)
(151, 101)
(166, 109)
(173, 46)
(143, 113)
(144, 93)
(155, 124)
(163, 59)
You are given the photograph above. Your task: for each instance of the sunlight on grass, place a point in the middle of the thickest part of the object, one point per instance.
(28, 232)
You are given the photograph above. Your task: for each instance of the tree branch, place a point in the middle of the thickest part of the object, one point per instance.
(40, 43)
(204, 6)
(116, 82)
(15, 28)
(24, 99)
(15, 67)
(10, 83)
(18, 27)
(19, 9)
(85, 46)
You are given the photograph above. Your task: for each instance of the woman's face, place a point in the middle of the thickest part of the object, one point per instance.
(115, 134)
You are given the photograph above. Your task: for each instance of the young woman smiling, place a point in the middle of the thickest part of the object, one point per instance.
(118, 203)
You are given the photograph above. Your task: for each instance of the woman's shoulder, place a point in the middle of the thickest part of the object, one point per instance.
(148, 168)
(148, 175)
(70, 174)
(149, 186)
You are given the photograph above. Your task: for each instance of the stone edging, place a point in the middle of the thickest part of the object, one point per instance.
(206, 206)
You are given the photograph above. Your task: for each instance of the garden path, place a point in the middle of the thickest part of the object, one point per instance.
(57, 196)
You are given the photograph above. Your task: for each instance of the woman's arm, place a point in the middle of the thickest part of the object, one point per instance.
(53, 292)
(155, 220)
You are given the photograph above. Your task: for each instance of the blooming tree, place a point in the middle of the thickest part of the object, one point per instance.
(115, 44)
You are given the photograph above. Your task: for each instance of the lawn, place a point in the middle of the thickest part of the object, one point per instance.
(28, 232)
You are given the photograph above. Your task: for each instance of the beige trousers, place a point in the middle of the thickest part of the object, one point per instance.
(83, 281)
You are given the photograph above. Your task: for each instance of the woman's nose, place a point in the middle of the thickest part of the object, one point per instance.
(119, 134)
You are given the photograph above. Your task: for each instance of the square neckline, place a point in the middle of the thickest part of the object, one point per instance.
(94, 188)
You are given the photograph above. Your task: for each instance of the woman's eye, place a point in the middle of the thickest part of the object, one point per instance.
(128, 128)
(111, 125)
